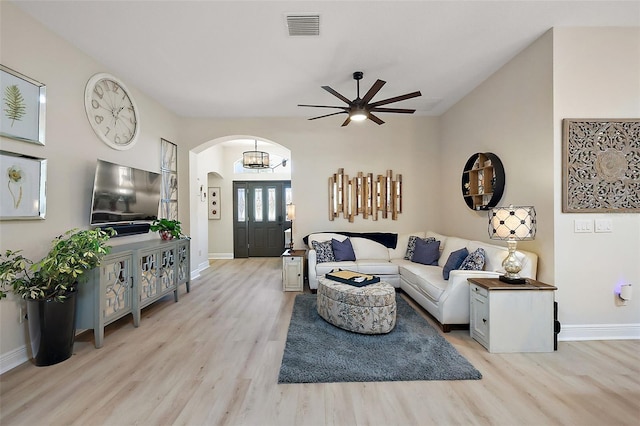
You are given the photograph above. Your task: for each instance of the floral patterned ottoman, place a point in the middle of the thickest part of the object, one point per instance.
(368, 310)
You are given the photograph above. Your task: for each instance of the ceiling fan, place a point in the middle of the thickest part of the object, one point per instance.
(360, 109)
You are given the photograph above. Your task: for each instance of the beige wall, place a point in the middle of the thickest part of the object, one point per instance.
(509, 114)
(71, 145)
(517, 114)
(406, 145)
(596, 75)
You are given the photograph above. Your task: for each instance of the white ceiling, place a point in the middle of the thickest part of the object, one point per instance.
(235, 59)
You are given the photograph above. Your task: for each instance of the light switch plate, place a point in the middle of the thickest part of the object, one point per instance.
(604, 225)
(582, 225)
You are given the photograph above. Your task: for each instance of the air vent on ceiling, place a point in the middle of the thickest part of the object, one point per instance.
(303, 25)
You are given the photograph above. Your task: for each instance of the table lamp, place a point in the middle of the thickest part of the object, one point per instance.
(291, 216)
(512, 224)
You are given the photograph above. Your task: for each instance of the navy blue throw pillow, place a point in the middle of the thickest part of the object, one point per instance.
(426, 253)
(454, 261)
(342, 250)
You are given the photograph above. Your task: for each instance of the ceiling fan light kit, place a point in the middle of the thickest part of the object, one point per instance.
(360, 109)
(359, 114)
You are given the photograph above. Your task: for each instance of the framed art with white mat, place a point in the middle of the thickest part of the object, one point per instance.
(214, 202)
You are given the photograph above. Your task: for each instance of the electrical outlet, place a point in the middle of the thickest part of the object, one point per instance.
(21, 315)
(582, 225)
(604, 225)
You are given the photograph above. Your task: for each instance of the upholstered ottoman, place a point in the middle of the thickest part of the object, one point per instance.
(368, 310)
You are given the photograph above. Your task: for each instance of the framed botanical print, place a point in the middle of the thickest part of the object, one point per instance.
(22, 186)
(22, 115)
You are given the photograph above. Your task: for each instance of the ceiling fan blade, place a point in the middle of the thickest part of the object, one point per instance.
(374, 89)
(327, 115)
(375, 119)
(396, 99)
(397, 110)
(336, 94)
(347, 121)
(324, 106)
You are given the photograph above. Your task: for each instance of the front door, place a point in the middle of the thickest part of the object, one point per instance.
(259, 218)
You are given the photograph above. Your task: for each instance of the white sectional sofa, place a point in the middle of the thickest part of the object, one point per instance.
(446, 300)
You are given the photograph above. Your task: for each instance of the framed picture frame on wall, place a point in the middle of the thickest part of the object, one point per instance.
(22, 186)
(214, 203)
(169, 170)
(600, 168)
(22, 116)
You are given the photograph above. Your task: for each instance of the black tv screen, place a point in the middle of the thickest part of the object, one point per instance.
(123, 195)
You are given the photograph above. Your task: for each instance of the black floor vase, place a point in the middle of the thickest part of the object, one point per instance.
(52, 329)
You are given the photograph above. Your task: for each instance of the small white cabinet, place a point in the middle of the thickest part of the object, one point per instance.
(129, 278)
(293, 270)
(512, 317)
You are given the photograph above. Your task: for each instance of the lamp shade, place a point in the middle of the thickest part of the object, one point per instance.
(512, 223)
(255, 159)
(291, 212)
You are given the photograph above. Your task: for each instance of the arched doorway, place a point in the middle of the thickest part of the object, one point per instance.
(212, 165)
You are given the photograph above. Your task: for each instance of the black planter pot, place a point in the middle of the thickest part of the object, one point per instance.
(52, 329)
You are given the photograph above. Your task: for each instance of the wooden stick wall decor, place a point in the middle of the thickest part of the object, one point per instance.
(365, 195)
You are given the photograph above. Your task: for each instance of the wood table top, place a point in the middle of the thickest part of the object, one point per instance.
(496, 284)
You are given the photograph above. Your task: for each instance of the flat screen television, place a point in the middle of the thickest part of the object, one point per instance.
(124, 195)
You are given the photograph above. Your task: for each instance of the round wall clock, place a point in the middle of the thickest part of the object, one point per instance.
(111, 111)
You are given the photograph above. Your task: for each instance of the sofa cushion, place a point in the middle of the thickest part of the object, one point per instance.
(426, 252)
(474, 261)
(324, 251)
(427, 279)
(376, 267)
(342, 250)
(411, 245)
(326, 267)
(325, 236)
(403, 240)
(454, 261)
(452, 244)
(365, 248)
(438, 237)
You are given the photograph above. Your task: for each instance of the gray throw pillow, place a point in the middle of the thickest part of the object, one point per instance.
(474, 261)
(324, 251)
(411, 246)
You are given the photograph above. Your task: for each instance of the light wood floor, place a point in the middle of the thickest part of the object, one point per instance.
(213, 359)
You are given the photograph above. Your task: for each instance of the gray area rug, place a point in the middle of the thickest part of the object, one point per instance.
(319, 352)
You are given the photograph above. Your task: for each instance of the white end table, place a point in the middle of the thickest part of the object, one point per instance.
(293, 269)
(512, 317)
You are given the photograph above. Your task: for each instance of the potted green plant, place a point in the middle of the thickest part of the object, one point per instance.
(50, 287)
(167, 228)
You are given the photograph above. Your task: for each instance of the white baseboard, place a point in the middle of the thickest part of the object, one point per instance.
(201, 267)
(220, 255)
(13, 358)
(599, 332)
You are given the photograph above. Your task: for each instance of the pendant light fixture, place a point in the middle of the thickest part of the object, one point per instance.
(255, 159)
